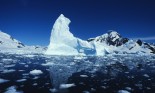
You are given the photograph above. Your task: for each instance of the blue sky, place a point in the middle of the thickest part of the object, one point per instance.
(31, 21)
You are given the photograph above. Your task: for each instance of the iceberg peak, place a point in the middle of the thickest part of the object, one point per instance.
(61, 15)
(60, 30)
(62, 38)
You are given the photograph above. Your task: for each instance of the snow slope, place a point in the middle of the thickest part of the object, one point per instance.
(10, 45)
(6, 41)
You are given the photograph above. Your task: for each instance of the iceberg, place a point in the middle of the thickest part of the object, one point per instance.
(63, 42)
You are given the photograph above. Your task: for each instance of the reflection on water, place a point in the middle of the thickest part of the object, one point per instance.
(68, 74)
(109, 74)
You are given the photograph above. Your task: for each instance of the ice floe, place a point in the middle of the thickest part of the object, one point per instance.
(123, 91)
(21, 80)
(64, 86)
(83, 76)
(12, 89)
(3, 80)
(36, 72)
(8, 71)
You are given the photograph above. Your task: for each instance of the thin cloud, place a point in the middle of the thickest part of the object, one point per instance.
(145, 38)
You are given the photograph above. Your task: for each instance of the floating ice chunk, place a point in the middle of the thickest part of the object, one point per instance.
(64, 86)
(12, 89)
(53, 90)
(139, 86)
(21, 80)
(35, 84)
(36, 72)
(7, 66)
(21, 70)
(123, 91)
(30, 55)
(8, 71)
(148, 88)
(26, 65)
(146, 75)
(35, 77)
(83, 76)
(104, 87)
(25, 74)
(22, 63)
(4, 60)
(47, 64)
(3, 80)
(85, 92)
(128, 88)
(79, 57)
(93, 89)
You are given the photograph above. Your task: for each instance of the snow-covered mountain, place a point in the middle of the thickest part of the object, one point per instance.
(63, 42)
(10, 45)
(113, 42)
(6, 41)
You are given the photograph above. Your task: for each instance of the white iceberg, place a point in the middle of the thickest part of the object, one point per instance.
(36, 72)
(63, 42)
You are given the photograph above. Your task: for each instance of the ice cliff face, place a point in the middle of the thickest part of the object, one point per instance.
(63, 42)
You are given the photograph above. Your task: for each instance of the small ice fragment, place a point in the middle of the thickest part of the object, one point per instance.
(85, 92)
(36, 72)
(21, 80)
(8, 71)
(53, 90)
(146, 75)
(128, 88)
(35, 84)
(83, 76)
(47, 64)
(63, 86)
(12, 89)
(123, 91)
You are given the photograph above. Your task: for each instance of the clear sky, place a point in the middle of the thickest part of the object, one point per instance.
(31, 21)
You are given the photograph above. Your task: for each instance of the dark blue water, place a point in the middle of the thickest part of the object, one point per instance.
(109, 74)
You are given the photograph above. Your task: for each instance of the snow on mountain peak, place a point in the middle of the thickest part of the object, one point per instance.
(4, 34)
(114, 34)
(8, 41)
